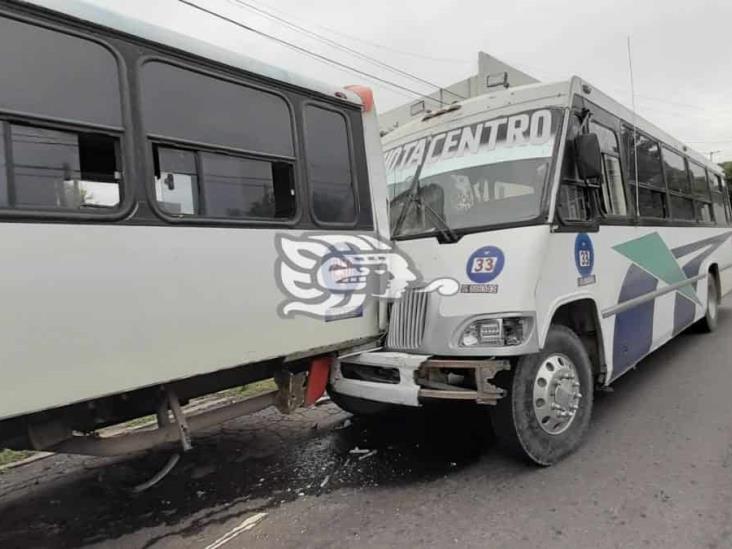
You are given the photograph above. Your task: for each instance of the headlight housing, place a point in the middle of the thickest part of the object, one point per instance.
(496, 332)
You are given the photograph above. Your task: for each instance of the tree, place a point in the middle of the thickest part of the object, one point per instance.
(727, 167)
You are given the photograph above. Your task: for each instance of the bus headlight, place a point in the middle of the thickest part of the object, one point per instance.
(496, 332)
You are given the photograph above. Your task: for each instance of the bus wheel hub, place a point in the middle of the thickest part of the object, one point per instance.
(556, 394)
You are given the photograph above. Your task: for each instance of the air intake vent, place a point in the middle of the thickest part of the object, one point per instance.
(408, 317)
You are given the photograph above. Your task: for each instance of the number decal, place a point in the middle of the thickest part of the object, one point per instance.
(484, 265)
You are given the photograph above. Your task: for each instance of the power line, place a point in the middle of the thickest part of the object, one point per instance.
(308, 52)
(326, 40)
(373, 44)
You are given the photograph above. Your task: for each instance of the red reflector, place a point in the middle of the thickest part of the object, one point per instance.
(366, 94)
(317, 379)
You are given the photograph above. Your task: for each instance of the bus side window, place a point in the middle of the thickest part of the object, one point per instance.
(222, 186)
(573, 202)
(62, 170)
(678, 179)
(721, 199)
(176, 181)
(700, 189)
(613, 191)
(649, 183)
(329, 165)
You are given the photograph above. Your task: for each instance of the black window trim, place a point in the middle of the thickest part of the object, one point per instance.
(200, 198)
(156, 139)
(613, 217)
(122, 133)
(126, 188)
(351, 159)
(645, 219)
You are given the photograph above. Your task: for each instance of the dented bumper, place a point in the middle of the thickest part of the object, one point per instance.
(410, 379)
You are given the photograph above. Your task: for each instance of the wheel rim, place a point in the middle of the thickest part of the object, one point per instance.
(557, 395)
(712, 302)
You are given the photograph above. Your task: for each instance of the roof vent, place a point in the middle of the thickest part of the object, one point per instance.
(497, 80)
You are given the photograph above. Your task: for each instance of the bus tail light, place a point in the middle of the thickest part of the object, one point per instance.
(366, 94)
(317, 379)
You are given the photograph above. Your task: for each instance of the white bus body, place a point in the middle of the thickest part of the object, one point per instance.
(540, 251)
(159, 273)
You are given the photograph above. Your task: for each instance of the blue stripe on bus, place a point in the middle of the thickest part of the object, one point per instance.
(634, 327)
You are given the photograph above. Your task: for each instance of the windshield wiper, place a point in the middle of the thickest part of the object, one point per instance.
(414, 196)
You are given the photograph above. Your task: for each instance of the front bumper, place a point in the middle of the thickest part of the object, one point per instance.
(410, 379)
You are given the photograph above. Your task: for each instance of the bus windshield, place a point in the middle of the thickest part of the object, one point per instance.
(470, 177)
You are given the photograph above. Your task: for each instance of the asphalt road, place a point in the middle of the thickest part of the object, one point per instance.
(655, 471)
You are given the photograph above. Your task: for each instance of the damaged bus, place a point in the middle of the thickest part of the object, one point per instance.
(145, 178)
(581, 238)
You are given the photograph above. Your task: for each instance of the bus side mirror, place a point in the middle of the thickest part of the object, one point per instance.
(589, 156)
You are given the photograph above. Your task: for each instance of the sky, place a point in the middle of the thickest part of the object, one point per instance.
(681, 50)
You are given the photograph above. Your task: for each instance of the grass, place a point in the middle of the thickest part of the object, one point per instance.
(253, 389)
(11, 456)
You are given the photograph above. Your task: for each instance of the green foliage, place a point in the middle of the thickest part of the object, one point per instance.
(727, 167)
(11, 456)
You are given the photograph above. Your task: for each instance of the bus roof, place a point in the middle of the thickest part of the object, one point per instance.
(84, 10)
(542, 94)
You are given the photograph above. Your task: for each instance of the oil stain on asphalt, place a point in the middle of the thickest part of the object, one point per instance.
(264, 461)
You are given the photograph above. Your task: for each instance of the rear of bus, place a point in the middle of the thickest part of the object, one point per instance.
(160, 194)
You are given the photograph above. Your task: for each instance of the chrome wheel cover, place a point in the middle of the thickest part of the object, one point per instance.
(557, 394)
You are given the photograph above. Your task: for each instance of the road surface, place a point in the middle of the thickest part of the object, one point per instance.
(655, 471)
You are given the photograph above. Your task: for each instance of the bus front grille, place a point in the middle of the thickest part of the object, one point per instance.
(408, 316)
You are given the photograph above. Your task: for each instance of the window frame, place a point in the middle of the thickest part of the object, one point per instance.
(200, 198)
(634, 183)
(123, 134)
(14, 211)
(698, 198)
(613, 217)
(352, 164)
(672, 193)
(197, 147)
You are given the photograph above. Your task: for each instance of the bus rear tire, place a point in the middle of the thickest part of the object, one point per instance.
(708, 323)
(359, 406)
(547, 410)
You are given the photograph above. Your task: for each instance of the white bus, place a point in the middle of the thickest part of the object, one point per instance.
(144, 178)
(582, 238)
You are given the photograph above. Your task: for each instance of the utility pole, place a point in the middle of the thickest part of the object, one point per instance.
(711, 155)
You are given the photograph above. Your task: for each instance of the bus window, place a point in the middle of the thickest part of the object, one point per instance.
(720, 203)
(613, 193)
(176, 181)
(183, 104)
(229, 186)
(63, 170)
(677, 175)
(52, 74)
(329, 165)
(650, 182)
(245, 188)
(699, 184)
(700, 188)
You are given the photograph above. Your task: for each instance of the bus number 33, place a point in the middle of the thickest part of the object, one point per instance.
(484, 264)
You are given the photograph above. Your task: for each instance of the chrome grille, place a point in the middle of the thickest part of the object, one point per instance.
(408, 317)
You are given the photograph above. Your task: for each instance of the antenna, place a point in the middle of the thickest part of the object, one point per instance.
(635, 132)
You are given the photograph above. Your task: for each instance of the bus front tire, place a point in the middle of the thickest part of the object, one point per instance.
(547, 410)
